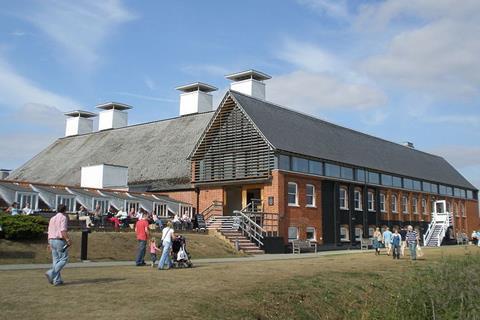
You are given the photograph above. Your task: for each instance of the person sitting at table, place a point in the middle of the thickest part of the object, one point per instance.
(27, 210)
(157, 220)
(83, 215)
(177, 224)
(122, 216)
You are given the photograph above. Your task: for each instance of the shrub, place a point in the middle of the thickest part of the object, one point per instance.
(22, 227)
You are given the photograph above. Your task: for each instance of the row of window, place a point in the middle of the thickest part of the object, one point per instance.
(404, 205)
(327, 169)
(309, 195)
(293, 233)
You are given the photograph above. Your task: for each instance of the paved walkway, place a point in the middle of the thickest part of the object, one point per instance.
(196, 262)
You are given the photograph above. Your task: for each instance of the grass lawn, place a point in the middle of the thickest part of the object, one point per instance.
(350, 286)
(104, 246)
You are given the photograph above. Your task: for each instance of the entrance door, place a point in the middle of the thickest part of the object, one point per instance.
(254, 195)
(233, 200)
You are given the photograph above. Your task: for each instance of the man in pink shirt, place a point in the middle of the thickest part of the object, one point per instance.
(141, 230)
(58, 241)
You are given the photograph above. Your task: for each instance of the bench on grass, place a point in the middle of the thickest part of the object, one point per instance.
(299, 245)
(365, 243)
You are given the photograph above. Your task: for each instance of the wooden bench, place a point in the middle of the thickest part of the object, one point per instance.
(365, 243)
(298, 245)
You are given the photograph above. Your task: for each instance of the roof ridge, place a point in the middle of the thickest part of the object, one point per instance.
(276, 105)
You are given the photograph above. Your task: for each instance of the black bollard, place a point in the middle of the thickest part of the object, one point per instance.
(84, 248)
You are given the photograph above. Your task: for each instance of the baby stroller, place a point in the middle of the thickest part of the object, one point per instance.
(180, 255)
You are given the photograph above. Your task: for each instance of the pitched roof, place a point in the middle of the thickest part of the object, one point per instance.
(155, 153)
(298, 133)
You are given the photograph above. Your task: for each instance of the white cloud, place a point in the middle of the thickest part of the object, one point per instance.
(333, 8)
(311, 92)
(141, 96)
(16, 91)
(150, 83)
(80, 27)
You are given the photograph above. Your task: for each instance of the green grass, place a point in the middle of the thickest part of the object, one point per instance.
(355, 286)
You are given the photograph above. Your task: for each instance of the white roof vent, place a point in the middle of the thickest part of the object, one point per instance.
(113, 115)
(195, 98)
(249, 82)
(78, 122)
(409, 144)
(104, 176)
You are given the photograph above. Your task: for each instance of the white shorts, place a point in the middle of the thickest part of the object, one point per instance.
(388, 245)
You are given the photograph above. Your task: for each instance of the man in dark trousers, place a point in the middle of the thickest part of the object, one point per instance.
(403, 234)
(141, 230)
(58, 241)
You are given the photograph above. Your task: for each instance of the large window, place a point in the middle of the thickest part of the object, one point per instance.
(160, 209)
(373, 177)
(360, 175)
(129, 205)
(292, 233)
(393, 203)
(68, 201)
(310, 195)
(343, 198)
(417, 185)
(405, 204)
(387, 180)
(346, 173)
(311, 234)
(462, 210)
(104, 207)
(358, 232)
(469, 194)
(442, 189)
(332, 170)
(357, 199)
(415, 205)
(25, 197)
(283, 162)
(397, 182)
(299, 164)
(408, 183)
(424, 206)
(371, 201)
(315, 167)
(455, 210)
(292, 194)
(382, 202)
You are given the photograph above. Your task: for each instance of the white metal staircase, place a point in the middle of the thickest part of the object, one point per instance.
(441, 220)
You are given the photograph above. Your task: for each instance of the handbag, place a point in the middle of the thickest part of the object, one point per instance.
(419, 252)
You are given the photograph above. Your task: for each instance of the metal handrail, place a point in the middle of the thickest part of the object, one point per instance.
(248, 227)
(215, 204)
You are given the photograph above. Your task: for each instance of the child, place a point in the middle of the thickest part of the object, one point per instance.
(153, 251)
(396, 240)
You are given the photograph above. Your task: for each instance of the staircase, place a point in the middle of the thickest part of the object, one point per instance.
(441, 220)
(227, 226)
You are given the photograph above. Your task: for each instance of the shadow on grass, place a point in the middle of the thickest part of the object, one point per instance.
(93, 281)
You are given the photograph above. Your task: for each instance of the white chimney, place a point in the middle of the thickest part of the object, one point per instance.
(78, 122)
(196, 98)
(104, 176)
(249, 82)
(113, 115)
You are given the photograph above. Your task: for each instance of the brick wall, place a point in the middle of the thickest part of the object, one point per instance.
(473, 220)
(207, 196)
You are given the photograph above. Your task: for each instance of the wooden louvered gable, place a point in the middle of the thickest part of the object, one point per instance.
(231, 148)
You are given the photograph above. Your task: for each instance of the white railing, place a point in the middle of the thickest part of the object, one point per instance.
(441, 218)
(244, 220)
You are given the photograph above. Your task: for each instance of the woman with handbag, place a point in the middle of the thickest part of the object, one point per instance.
(167, 237)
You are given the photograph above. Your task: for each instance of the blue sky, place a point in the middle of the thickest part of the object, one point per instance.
(400, 70)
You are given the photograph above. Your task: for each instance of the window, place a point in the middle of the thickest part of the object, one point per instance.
(283, 162)
(344, 233)
(343, 198)
(104, 207)
(414, 205)
(315, 167)
(450, 191)
(408, 183)
(424, 206)
(434, 188)
(373, 177)
(417, 185)
(292, 233)
(455, 210)
(469, 194)
(160, 209)
(382, 202)
(358, 232)
(405, 204)
(24, 197)
(299, 164)
(448, 206)
(346, 173)
(457, 192)
(386, 180)
(68, 201)
(426, 186)
(332, 170)
(357, 198)
(462, 210)
(292, 194)
(442, 189)
(360, 175)
(393, 203)
(129, 205)
(371, 201)
(311, 234)
(310, 195)
(397, 182)
(371, 231)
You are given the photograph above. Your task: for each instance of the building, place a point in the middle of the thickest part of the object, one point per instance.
(307, 178)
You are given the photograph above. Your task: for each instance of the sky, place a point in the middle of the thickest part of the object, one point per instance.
(399, 70)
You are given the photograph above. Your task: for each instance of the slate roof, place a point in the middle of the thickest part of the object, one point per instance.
(155, 154)
(298, 133)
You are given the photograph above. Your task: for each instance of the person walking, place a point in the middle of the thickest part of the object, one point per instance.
(58, 241)
(141, 231)
(396, 239)
(412, 242)
(153, 251)
(167, 236)
(403, 235)
(387, 240)
(377, 239)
